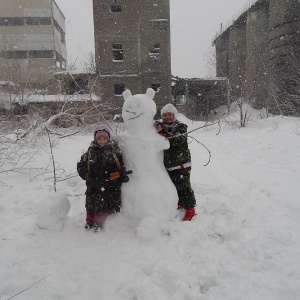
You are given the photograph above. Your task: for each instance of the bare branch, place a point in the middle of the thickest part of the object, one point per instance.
(52, 157)
(29, 287)
(209, 152)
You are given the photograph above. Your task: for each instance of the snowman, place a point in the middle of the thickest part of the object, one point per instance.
(149, 198)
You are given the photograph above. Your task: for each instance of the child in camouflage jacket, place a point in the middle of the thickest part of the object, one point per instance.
(103, 169)
(177, 159)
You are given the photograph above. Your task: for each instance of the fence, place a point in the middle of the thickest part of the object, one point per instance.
(229, 23)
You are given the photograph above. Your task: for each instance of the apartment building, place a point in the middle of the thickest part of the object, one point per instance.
(32, 42)
(132, 48)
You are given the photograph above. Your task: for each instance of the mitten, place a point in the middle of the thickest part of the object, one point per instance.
(124, 178)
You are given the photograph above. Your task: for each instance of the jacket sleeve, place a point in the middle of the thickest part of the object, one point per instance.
(177, 136)
(82, 166)
(120, 158)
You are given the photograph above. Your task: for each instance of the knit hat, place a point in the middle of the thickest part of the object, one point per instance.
(169, 108)
(102, 130)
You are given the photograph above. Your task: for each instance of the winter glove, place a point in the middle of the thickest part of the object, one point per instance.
(124, 178)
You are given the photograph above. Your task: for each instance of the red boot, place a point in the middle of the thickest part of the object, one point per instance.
(189, 214)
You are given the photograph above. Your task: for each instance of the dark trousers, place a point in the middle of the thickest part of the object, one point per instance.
(181, 180)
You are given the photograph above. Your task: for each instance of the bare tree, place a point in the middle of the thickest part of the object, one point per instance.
(286, 93)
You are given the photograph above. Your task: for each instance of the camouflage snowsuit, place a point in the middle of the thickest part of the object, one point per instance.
(95, 166)
(177, 160)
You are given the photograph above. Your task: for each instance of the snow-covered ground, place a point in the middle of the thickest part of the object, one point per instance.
(244, 242)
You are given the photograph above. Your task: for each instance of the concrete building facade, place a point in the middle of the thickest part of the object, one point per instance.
(32, 42)
(132, 48)
(259, 51)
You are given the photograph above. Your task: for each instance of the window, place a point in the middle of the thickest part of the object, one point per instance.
(180, 100)
(56, 25)
(38, 21)
(45, 21)
(155, 87)
(4, 22)
(20, 21)
(41, 54)
(13, 54)
(12, 21)
(157, 47)
(117, 52)
(154, 51)
(32, 21)
(62, 33)
(63, 37)
(119, 89)
(115, 8)
(21, 54)
(60, 61)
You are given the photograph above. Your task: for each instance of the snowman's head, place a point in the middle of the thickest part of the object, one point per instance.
(139, 110)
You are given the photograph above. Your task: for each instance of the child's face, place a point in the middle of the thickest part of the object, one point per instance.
(168, 118)
(101, 140)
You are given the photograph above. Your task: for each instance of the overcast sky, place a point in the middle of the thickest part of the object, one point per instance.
(194, 23)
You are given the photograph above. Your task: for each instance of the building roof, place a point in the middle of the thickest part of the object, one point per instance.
(7, 83)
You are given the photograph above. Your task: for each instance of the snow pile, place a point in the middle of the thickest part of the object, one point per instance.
(30, 97)
(52, 210)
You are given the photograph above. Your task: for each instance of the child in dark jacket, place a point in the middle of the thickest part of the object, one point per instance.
(103, 169)
(177, 159)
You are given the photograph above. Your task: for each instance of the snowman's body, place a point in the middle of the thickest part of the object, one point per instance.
(149, 193)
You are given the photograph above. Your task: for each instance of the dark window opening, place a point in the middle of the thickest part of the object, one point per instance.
(4, 22)
(41, 54)
(12, 21)
(38, 21)
(56, 25)
(116, 8)
(117, 52)
(154, 51)
(180, 100)
(45, 21)
(13, 54)
(155, 87)
(119, 89)
(63, 37)
(20, 21)
(62, 33)
(21, 54)
(32, 21)
(60, 61)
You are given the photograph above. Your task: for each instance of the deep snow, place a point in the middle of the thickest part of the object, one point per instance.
(243, 244)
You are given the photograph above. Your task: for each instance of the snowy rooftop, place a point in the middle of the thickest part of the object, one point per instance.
(35, 98)
(73, 72)
(203, 79)
(7, 83)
